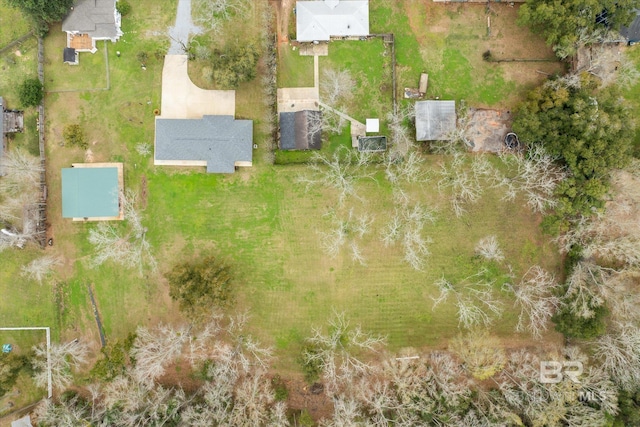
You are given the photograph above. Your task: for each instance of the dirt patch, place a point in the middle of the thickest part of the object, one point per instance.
(487, 129)
(284, 9)
(301, 396)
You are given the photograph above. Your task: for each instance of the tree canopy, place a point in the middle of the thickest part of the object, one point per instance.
(235, 64)
(43, 12)
(201, 284)
(590, 132)
(568, 23)
(30, 92)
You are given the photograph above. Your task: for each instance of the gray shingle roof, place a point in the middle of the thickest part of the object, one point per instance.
(295, 133)
(69, 55)
(219, 140)
(434, 120)
(319, 20)
(94, 17)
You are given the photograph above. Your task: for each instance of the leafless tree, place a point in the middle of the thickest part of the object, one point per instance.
(40, 268)
(127, 246)
(462, 182)
(619, 354)
(333, 351)
(339, 171)
(406, 227)
(488, 248)
(456, 140)
(408, 168)
(64, 357)
(144, 149)
(584, 289)
(336, 86)
(154, 350)
(474, 299)
(19, 169)
(213, 13)
(346, 231)
(537, 175)
(536, 295)
(402, 141)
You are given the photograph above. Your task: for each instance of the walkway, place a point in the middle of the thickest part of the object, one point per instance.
(179, 33)
(357, 128)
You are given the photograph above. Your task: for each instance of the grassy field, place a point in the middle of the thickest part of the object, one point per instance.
(12, 24)
(259, 219)
(447, 41)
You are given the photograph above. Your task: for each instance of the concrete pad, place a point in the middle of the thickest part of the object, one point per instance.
(292, 99)
(181, 99)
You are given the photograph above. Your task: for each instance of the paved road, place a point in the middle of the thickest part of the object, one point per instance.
(179, 33)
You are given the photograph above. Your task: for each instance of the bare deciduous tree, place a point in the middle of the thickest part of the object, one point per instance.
(333, 351)
(406, 227)
(408, 168)
(346, 232)
(488, 248)
(481, 353)
(474, 299)
(537, 175)
(619, 354)
(144, 149)
(64, 357)
(213, 13)
(339, 171)
(125, 246)
(536, 295)
(402, 141)
(336, 86)
(154, 350)
(40, 268)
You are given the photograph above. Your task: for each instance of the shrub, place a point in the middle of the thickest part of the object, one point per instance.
(30, 92)
(74, 136)
(123, 7)
(280, 388)
(573, 326)
(200, 284)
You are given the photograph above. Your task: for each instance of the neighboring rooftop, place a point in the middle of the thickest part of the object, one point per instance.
(91, 191)
(218, 142)
(321, 20)
(97, 18)
(435, 120)
(301, 130)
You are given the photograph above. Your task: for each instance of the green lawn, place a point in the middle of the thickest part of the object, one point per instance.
(259, 219)
(294, 70)
(12, 24)
(447, 41)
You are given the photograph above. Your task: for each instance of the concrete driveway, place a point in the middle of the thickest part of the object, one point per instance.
(181, 99)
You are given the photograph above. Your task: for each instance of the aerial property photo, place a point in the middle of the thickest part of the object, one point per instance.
(319, 213)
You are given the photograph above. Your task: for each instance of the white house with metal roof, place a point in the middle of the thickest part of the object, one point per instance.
(321, 20)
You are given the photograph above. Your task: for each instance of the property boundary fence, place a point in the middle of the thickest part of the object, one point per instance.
(41, 224)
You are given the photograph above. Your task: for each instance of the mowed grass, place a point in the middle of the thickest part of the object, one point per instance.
(269, 229)
(447, 42)
(294, 70)
(12, 24)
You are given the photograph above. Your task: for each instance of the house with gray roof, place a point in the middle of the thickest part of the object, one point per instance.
(89, 21)
(435, 120)
(321, 20)
(301, 130)
(220, 143)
